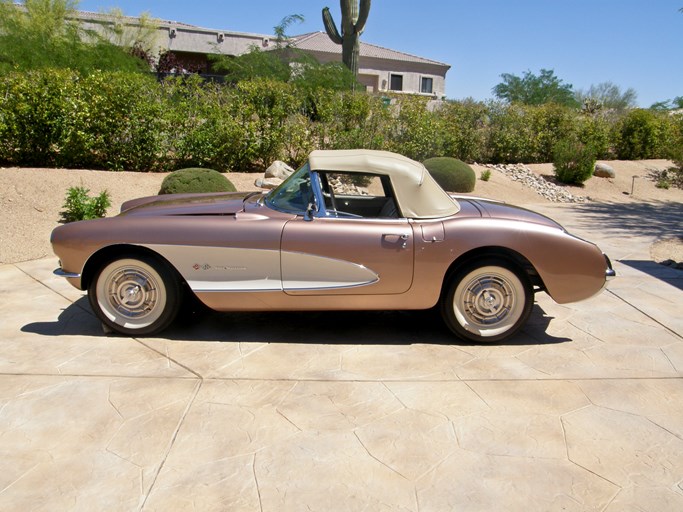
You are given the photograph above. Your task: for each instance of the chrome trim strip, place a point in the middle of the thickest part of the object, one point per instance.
(69, 275)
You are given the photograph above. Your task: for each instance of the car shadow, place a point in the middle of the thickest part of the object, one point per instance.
(305, 327)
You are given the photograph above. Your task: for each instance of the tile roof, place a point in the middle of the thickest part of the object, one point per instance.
(320, 42)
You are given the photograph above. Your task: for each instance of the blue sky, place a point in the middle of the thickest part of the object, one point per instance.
(633, 43)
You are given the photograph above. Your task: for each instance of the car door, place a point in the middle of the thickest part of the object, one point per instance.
(332, 256)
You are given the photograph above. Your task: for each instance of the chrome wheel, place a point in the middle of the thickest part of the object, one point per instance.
(488, 302)
(134, 296)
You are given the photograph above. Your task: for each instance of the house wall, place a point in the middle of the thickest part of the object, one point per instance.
(192, 44)
(377, 71)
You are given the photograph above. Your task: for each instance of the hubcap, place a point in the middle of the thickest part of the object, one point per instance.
(132, 292)
(488, 300)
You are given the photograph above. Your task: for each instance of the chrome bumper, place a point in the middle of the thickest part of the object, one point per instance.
(61, 273)
(609, 271)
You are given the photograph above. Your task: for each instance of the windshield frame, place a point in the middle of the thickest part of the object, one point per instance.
(281, 198)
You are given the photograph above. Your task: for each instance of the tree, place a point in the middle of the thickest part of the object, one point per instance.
(608, 95)
(257, 63)
(674, 104)
(46, 34)
(535, 90)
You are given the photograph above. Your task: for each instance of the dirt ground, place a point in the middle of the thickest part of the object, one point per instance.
(31, 199)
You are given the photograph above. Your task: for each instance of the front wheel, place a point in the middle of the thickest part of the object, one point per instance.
(487, 300)
(135, 295)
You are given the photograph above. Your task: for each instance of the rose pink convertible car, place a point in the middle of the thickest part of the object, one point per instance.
(349, 230)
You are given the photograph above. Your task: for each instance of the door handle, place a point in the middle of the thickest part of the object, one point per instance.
(403, 237)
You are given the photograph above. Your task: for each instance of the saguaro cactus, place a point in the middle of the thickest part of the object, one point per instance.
(352, 25)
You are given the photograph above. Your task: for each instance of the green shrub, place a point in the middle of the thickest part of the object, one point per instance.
(195, 180)
(464, 125)
(574, 161)
(452, 174)
(645, 134)
(80, 206)
(417, 132)
(485, 175)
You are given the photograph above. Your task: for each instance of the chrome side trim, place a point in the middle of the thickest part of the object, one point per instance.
(69, 275)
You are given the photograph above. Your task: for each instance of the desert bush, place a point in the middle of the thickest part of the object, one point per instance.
(262, 107)
(597, 131)
(645, 134)
(452, 174)
(34, 112)
(118, 124)
(417, 132)
(549, 123)
(574, 161)
(464, 125)
(201, 128)
(352, 120)
(191, 180)
(510, 138)
(78, 205)
(485, 175)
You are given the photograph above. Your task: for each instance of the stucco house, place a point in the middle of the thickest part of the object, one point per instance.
(380, 69)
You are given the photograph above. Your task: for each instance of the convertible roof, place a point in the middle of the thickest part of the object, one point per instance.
(417, 194)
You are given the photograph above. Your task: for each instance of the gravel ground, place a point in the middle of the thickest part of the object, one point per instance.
(31, 199)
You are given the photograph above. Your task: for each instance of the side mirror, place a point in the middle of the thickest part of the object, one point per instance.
(310, 210)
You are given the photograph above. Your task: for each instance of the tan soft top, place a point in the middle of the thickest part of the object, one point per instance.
(417, 194)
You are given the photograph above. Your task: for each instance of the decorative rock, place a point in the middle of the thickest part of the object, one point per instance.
(279, 170)
(603, 171)
(268, 183)
(524, 175)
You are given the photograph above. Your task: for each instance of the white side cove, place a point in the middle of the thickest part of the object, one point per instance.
(218, 269)
(225, 269)
(309, 272)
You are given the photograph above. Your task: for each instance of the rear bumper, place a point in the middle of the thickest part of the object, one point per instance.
(609, 271)
(69, 275)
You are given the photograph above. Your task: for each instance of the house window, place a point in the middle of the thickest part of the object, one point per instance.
(396, 83)
(427, 85)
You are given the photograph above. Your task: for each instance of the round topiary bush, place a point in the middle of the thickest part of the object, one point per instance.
(452, 174)
(195, 180)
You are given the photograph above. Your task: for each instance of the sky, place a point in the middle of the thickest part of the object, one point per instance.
(633, 43)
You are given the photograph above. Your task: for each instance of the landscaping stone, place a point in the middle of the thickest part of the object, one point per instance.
(604, 171)
(550, 191)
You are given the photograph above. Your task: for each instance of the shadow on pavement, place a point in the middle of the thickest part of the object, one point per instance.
(317, 327)
(668, 275)
(657, 218)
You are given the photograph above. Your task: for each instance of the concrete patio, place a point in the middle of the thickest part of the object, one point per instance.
(352, 411)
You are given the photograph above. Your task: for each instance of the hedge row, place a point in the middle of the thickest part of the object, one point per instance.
(114, 120)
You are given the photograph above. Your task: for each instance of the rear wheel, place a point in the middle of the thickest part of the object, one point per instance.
(487, 300)
(135, 295)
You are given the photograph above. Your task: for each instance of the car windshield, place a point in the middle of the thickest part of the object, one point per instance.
(294, 194)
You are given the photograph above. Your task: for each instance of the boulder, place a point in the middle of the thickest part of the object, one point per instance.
(279, 170)
(603, 171)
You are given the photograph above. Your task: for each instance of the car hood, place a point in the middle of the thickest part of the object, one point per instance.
(225, 203)
(498, 210)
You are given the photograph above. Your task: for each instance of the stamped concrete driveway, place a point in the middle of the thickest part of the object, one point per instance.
(350, 411)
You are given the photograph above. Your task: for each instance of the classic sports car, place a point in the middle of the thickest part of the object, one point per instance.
(351, 230)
